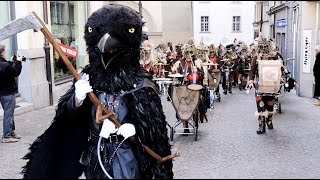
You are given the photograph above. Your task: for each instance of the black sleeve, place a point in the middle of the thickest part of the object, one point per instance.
(253, 68)
(316, 67)
(15, 68)
(71, 106)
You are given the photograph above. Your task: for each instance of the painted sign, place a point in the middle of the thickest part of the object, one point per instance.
(306, 51)
(281, 23)
(69, 51)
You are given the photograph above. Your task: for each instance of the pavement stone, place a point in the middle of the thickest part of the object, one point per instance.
(227, 145)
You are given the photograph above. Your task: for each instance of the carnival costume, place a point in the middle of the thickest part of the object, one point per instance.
(113, 36)
(264, 50)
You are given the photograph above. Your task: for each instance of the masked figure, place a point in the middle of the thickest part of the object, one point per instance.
(263, 51)
(243, 65)
(228, 66)
(70, 146)
(148, 58)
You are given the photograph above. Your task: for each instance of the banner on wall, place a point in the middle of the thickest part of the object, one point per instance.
(306, 51)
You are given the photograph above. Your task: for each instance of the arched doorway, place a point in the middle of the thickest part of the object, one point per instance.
(145, 14)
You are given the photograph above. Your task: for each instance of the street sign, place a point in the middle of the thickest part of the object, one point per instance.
(281, 23)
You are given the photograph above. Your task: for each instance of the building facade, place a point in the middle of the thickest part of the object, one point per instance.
(261, 18)
(223, 21)
(307, 31)
(44, 77)
(294, 25)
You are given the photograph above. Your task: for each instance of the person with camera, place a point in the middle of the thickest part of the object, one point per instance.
(9, 70)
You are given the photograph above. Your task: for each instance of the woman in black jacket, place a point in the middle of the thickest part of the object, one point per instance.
(316, 74)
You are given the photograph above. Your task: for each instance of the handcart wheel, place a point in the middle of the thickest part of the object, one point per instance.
(171, 134)
(279, 108)
(196, 124)
(196, 119)
(196, 134)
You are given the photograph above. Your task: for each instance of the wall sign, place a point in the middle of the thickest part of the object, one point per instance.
(306, 51)
(281, 23)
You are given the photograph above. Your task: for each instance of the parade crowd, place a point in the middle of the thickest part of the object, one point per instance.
(203, 68)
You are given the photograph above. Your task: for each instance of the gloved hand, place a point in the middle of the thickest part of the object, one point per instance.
(82, 87)
(126, 130)
(107, 128)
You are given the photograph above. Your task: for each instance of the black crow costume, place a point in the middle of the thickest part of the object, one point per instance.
(113, 36)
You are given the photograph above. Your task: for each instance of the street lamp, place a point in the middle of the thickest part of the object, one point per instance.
(255, 24)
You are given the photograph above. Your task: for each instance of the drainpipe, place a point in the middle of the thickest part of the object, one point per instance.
(288, 36)
(317, 24)
(261, 16)
(192, 17)
(140, 9)
(47, 54)
(14, 41)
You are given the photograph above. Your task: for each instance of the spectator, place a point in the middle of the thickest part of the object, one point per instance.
(8, 71)
(316, 74)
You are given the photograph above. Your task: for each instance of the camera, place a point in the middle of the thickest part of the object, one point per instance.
(14, 58)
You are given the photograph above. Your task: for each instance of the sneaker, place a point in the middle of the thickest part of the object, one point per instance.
(16, 136)
(9, 140)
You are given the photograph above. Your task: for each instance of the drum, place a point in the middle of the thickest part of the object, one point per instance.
(194, 81)
(269, 76)
(214, 79)
(185, 101)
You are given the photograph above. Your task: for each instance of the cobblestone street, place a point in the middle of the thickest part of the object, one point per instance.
(227, 146)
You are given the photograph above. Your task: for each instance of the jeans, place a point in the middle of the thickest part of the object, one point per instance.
(8, 103)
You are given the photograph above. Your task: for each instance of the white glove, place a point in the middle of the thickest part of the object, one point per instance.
(82, 87)
(126, 130)
(107, 128)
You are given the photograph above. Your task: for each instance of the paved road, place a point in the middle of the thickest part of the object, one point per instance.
(227, 146)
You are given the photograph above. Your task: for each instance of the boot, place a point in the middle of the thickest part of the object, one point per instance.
(230, 88)
(225, 91)
(262, 127)
(269, 122)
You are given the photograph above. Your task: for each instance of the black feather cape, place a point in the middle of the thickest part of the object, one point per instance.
(56, 153)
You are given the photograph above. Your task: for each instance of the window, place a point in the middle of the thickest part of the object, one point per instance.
(204, 23)
(63, 29)
(236, 23)
(57, 12)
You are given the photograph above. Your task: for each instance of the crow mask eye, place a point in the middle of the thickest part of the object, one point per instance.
(131, 30)
(89, 29)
